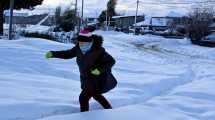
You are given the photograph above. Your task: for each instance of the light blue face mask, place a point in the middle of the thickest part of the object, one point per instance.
(86, 47)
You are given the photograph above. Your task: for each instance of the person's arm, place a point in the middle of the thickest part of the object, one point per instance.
(105, 64)
(66, 54)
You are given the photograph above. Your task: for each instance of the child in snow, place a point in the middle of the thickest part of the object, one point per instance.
(94, 65)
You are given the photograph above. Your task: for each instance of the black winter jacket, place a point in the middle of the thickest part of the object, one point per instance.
(98, 58)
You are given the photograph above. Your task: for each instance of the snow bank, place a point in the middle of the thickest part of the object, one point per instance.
(37, 28)
(135, 112)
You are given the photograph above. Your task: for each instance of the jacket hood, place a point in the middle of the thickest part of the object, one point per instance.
(97, 41)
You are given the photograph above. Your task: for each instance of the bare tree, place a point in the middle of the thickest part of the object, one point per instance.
(199, 22)
(111, 6)
(172, 26)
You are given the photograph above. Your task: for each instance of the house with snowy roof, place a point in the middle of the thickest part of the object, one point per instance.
(18, 17)
(15, 14)
(92, 21)
(155, 23)
(127, 20)
(26, 19)
(161, 22)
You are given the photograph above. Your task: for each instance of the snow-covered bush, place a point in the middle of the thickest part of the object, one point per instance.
(38, 35)
(63, 37)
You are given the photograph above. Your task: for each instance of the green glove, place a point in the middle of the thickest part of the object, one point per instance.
(95, 72)
(49, 55)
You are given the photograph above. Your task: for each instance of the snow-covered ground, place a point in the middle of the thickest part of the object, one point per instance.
(159, 79)
(37, 28)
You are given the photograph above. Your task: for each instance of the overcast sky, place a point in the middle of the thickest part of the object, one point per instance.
(94, 7)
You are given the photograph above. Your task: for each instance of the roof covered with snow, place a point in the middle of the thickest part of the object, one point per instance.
(162, 22)
(166, 14)
(16, 13)
(124, 16)
(160, 19)
(146, 22)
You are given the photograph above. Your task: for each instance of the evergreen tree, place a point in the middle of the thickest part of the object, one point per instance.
(111, 6)
(65, 21)
(18, 4)
(102, 16)
(68, 20)
(58, 16)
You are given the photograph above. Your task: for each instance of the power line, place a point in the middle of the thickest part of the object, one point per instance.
(167, 5)
(206, 4)
(185, 5)
(172, 4)
(182, 3)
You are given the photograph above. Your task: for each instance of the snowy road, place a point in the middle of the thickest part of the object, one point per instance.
(168, 76)
(193, 84)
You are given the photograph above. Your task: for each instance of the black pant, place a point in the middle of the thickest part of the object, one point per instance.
(85, 96)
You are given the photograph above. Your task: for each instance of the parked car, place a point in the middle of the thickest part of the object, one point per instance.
(148, 31)
(208, 41)
(210, 37)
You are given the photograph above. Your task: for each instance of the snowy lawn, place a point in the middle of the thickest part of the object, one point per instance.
(159, 79)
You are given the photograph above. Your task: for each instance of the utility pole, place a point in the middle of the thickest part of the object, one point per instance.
(135, 20)
(76, 7)
(82, 14)
(106, 20)
(11, 20)
(77, 17)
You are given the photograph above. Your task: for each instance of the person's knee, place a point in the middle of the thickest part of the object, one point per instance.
(81, 98)
(84, 97)
(97, 97)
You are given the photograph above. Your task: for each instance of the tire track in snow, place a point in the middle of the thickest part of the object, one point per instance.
(193, 63)
(156, 50)
(152, 89)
